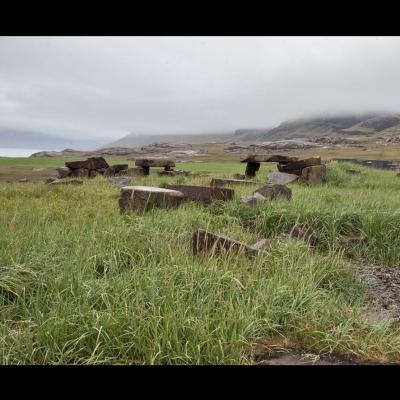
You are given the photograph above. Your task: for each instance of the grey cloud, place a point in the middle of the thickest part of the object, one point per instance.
(110, 86)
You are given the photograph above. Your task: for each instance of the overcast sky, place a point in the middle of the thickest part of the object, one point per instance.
(111, 86)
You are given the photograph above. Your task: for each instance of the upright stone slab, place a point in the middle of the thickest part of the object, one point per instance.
(251, 169)
(142, 198)
(203, 194)
(223, 182)
(314, 174)
(205, 241)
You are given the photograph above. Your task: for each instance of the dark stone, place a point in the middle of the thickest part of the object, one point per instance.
(203, 194)
(154, 162)
(79, 173)
(211, 243)
(254, 158)
(294, 167)
(166, 173)
(252, 168)
(66, 182)
(90, 163)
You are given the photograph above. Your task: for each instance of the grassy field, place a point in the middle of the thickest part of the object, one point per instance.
(80, 283)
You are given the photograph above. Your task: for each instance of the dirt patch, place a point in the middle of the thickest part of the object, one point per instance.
(282, 356)
(384, 286)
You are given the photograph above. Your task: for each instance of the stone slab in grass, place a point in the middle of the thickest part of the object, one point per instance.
(252, 200)
(223, 182)
(142, 198)
(282, 178)
(204, 241)
(66, 182)
(276, 191)
(303, 232)
(267, 158)
(204, 194)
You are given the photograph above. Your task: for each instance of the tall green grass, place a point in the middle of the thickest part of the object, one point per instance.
(82, 284)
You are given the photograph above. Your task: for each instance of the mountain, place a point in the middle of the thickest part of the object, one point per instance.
(13, 138)
(135, 140)
(378, 124)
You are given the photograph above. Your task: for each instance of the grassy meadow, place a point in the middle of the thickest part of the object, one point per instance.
(82, 284)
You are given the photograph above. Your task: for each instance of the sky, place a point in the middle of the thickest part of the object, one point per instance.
(111, 86)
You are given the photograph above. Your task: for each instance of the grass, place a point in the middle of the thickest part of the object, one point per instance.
(82, 284)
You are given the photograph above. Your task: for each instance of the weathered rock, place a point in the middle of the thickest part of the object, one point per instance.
(119, 181)
(115, 169)
(141, 198)
(239, 176)
(203, 240)
(23, 180)
(252, 168)
(154, 162)
(79, 173)
(203, 194)
(263, 244)
(304, 233)
(223, 182)
(272, 192)
(66, 182)
(51, 179)
(63, 172)
(252, 200)
(90, 163)
(282, 178)
(314, 174)
(293, 167)
(92, 173)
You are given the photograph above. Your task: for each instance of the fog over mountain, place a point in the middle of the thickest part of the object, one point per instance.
(107, 87)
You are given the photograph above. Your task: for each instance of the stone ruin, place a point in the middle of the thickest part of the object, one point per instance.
(144, 164)
(90, 168)
(310, 169)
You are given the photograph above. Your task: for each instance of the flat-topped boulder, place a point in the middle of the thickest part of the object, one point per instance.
(204, 194)
(154, 162)
(142, 198)
(204, 241)
(293, 167)
(90, 163)
(223, 182)
(282, 178)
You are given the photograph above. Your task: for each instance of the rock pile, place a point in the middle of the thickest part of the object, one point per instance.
(310, 169)
(89, 168)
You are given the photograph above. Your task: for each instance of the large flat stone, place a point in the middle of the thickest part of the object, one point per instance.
(223, 182)
(205, 241)
(154, 162)
(142, 198)
(90, 163)
(282, 178)
(203, 194)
